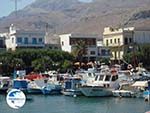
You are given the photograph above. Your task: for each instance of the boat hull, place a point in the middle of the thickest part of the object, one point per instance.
(71, 92)
(96, 91)
(123, 93)
(34, 91)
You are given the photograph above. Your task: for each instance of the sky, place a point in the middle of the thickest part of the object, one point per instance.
(8, 6)
(86, 1)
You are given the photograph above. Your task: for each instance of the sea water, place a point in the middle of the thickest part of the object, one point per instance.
(68, 104)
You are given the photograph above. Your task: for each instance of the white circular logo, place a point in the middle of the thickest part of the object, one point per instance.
(15, 98)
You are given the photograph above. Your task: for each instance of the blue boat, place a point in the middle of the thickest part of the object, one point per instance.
(21, 84)
(71, 87)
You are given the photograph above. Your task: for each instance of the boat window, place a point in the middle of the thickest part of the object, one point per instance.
(113, 78)
(96, 78)
(107, 78)
(89, 74)
(101, 77)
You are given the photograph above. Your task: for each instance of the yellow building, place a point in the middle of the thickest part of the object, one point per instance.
(118, 40)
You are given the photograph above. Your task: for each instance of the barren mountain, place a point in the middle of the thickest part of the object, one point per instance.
(73, 16)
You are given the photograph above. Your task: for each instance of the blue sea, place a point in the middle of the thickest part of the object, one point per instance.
(65, 104)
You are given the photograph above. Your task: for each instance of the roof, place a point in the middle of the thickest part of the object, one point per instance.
(140, 83)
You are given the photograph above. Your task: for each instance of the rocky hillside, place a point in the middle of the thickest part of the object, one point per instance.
(73, 16)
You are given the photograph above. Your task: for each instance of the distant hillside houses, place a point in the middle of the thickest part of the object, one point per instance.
(122, 40)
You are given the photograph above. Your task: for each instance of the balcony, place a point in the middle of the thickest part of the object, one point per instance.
(30, 45)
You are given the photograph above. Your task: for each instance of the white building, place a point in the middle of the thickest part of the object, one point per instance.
(67, 42)
(141, 35)
(120, 39)
(103, 51)
(2, 41)
(24, 39)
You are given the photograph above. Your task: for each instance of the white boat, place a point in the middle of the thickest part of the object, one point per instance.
(103, 85)
(35, 86)
(125, 90)
(4, 84)
(136, 89)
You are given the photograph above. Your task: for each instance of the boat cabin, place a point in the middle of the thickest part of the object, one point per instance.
(106, 80)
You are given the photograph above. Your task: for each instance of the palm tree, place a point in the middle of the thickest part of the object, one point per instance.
(79, 50)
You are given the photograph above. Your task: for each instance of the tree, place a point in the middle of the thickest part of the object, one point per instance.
(79, 50)
(140, 54)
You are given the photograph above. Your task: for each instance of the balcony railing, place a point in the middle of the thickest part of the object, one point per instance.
(30, 45)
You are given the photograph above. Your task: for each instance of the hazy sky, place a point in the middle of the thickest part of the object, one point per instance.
(7, 6)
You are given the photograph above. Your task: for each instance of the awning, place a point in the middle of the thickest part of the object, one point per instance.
(90, 63)
(140, 83)
(32, 76)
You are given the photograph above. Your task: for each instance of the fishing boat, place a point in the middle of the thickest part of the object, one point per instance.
(21, 84)
(71, 87)
(137, 89)
(103, 85)
(5, 83)
(125, 90)
(35, 86)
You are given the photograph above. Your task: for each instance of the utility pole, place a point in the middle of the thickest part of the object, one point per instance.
(16, 6)
(16, 9)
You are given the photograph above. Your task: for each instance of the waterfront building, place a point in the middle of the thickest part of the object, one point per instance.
(103, 51)
(95, 48)
(121, 40)
(68, 41)
(18, 38)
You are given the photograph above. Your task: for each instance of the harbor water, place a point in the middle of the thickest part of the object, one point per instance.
(65, 104)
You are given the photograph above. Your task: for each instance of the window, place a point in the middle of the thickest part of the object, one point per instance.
(26, 40)
(101, 77)
(106, 42)
(62, 43)
(107, 78)
(92, 52)
(111, 41)
(114, 78)
(12, 40)
(130, 40)
(103, 52)
(126, 41)
(40, 40)
(34, 41)
(19, 40)
(118, 41)
(96, 78)
(115, 41)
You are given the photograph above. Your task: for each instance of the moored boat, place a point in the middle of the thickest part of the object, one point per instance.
(5, 83)
(103, 85)
(71, 87)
